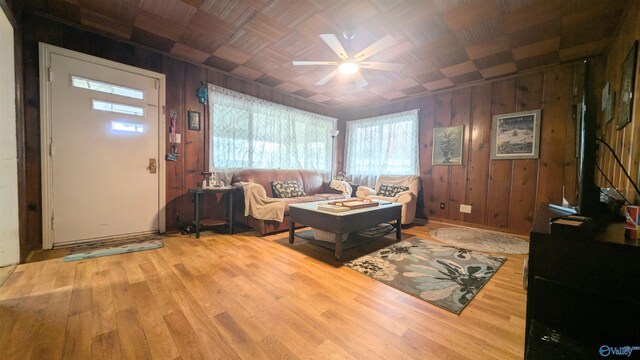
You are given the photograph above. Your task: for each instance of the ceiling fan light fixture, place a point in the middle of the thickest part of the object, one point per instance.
(348, 68)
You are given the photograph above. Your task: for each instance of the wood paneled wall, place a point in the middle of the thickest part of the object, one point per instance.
(627, 140)
(502, 193)
(183, 79)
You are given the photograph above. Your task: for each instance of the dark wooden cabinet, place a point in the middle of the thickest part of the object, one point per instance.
(583, 294)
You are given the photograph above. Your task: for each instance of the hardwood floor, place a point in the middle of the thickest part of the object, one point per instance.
(245, 296)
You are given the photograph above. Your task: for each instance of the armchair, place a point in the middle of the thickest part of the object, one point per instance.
(408, 198)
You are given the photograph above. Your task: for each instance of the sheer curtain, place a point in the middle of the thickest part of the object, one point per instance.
(382, 145)
(247, 132)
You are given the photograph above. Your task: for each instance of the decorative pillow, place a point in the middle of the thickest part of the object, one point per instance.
(287, 189)
(387, 190)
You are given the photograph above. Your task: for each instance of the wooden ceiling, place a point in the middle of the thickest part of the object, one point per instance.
(442, 43)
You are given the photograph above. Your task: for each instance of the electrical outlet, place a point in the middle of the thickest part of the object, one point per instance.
(465, 209)
(441, 205)
(178, 138)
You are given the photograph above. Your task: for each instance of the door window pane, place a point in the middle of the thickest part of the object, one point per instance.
(106, 87)
(117, 108)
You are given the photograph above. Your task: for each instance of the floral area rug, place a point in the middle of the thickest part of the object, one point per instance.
(482, 240)
(445, 276)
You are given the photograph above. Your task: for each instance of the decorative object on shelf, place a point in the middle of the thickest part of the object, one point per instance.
(516, 135)
(202, 93)
(447, 145)
(206, 179)
(627, 86)
(333, 133)
(173, 150)
(327, 236)
(194, 120)
(210, 180)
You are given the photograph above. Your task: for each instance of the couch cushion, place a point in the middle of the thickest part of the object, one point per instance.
(328, 196)
(287, 189)
(390, 190)
(412, 181)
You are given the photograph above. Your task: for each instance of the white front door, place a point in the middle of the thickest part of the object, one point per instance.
(103, 136)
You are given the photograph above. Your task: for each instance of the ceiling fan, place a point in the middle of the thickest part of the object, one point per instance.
(351, 65)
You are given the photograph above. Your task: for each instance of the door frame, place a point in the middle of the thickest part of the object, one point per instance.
(45, 51)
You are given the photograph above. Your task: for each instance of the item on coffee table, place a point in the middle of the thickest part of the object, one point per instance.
(333, 208)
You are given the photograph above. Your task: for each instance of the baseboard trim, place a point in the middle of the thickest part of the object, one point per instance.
(471, 225)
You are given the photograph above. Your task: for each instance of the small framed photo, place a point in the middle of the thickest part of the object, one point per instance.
(516, 135)
(447, 145)
(194, 120)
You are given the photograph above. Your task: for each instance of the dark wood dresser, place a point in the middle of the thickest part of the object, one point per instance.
(583, 297)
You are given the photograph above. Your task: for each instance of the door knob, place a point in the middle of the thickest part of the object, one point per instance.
(153, 166)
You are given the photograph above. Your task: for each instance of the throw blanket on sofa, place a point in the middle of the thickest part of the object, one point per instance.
(258, 205)
(342, 186)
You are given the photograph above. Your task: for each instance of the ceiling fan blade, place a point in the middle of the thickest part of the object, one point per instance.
(326, 79)
(360, 80)
(381, 66)
(335, 45)
(376, 47)
(314, 62)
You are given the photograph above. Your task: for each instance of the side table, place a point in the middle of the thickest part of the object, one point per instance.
(225, 190)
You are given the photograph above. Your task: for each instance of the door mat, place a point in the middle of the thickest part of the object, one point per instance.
(113, 248)
(445, 276)
(5, 273)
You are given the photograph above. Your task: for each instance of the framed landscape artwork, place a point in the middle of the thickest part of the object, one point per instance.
(447, 145)
(516, 135)
(627, 86)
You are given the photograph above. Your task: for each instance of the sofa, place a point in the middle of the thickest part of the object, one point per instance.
(401, 189)
(315, 188)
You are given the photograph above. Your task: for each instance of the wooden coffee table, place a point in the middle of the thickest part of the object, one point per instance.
(343, 222)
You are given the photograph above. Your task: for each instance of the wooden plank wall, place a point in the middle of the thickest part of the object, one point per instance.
(503, 193)
(626, 140)
(182, 81)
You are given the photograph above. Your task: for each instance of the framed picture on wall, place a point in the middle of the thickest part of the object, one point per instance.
(194, 120)
(447, 145)
(516, 135)
(627, 85)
